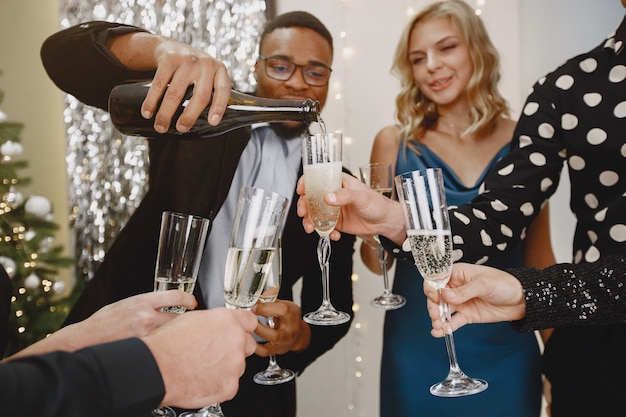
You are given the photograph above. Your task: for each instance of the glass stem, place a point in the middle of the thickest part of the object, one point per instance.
(382, 259)
(444, 311)
(273, 365)
(323, 256)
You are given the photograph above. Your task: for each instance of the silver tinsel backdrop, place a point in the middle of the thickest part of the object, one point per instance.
(108, 171)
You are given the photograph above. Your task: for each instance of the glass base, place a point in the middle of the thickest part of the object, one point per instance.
(325, 317)
(213, 410)
(458, 386)
(163, 412)
(274, 377)
(388, 302)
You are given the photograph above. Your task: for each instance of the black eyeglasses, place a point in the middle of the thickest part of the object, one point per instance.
(316, 75)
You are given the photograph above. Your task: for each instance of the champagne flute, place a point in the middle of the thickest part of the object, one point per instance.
(273, 374)
(378, 177)
(181, 242)
(321, 159)
(428, 229)
(259, 218)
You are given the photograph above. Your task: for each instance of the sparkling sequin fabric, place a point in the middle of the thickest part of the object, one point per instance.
(107, 172)
(583, 294)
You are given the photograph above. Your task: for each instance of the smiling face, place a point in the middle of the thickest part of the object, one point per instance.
(440, 61)
(301, 46)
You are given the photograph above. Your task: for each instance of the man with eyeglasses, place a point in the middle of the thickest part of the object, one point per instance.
(203, 177)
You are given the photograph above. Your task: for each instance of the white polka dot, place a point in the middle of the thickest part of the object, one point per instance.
(524, 141)
(462, 217)
(537, 159)
(541, 80)
(501, 246)
(620, 110)
(609, 178)
(546, 183)
(531, 108)
(593, 237)
(498, 205)
(618, 232)
(565, 82)
(589, 65)
(406, 245)
(578, 256)
(527, 209)
(546, 130)
(569, 121)
(617, 74)
(485, 238)
(618, 45)
(596, 136)
(506, 170)
(577, 163)
(458, 240)
(601, 215)
(591, 200)
(592, 99)
(479, 214)
(482, 260)
(623, 150)
(506, 230)
(457, 254)
(592, 255)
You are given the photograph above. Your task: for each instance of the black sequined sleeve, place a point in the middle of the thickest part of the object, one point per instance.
(567, 294)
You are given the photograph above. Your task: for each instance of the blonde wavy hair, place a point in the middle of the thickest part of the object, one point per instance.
(415, 112)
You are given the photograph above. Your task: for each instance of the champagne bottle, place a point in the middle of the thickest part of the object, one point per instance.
(125, 102)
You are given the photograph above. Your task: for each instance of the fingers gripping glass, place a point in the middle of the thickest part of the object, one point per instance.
(316, 75)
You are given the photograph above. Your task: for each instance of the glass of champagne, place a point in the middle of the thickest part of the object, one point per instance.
(259, 219)
(321, 159)
(273, 374)
(428, 229)
(379, 178)
(181, 243)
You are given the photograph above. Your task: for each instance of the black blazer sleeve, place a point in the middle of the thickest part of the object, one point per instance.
(116, 379)
(5, 309)
(76, 56)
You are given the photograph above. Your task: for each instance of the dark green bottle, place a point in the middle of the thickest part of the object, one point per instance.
(125, 103)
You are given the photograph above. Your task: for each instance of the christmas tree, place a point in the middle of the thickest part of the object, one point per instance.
(27, 251)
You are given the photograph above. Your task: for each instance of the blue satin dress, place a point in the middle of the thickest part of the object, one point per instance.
(413, 360)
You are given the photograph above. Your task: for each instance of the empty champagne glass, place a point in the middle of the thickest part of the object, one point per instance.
(273, 374)
(321, 159)
(379, 178)
(258, 223)
(181, 242)
(428, 229)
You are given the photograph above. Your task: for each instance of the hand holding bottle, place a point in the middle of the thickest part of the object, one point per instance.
(178, 66)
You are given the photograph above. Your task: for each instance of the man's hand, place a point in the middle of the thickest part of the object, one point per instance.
(290, 332)
(178, 66)
(202, 355)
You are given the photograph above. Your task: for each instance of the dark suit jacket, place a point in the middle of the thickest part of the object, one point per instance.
(5, 308)
(119, 379)
(192, 176)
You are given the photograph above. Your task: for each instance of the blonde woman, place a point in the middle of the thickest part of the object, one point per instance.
(451, 115)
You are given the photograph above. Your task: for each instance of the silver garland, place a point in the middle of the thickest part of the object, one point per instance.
(108, 172)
